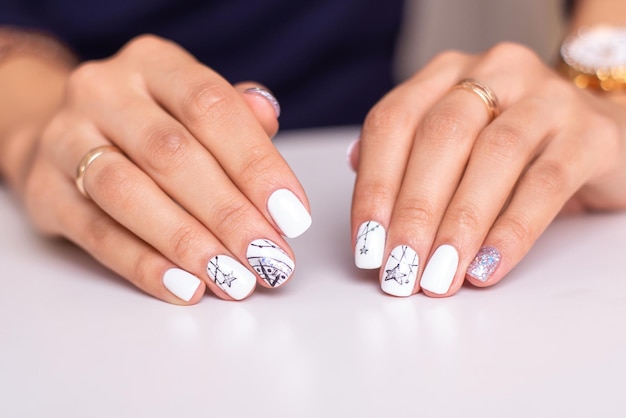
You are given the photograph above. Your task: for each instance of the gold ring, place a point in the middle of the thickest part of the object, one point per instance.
(89, 158)
(486, 95)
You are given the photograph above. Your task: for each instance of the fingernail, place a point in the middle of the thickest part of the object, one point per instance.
(440, 270)
(269, 261)
(484, 264)
(265, 94)
(181, 283)
(352, 155)
(370, 244)
(231, 276)
(289, 213)
(400, 271)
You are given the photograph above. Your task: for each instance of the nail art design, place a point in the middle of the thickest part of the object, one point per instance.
(181, 283)
(484, 264)
(400, 271)
(231, 276)
(289, 213)
(265, 94)
(370, 244)
(269, 261)
(440, 270)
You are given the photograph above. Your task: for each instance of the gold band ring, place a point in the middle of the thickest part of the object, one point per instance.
(485, 93)
(89, 158)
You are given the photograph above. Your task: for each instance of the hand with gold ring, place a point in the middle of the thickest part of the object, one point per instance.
(166, 174)
(461, 168)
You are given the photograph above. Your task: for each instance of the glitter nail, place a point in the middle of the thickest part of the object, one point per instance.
(484, 264)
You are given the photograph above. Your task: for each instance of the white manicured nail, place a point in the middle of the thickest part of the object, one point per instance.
(270, 262)
(181, 283)
(440, 270)
(370, 244)
(400, 271)
(231, 276)
(289, 213)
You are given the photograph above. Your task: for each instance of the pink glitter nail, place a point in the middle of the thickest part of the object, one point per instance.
(484, 264)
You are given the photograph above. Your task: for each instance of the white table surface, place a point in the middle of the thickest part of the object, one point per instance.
(549, 341)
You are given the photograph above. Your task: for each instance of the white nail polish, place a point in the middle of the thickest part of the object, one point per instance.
(231, 276)
(440, 270)
(400, 273)
(181, 283)
(270, 262)
(289, 213)
(370, 244)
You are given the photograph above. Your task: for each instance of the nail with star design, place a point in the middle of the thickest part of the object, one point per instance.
(400, 272)
(231, 276)
(270, 262)
(370, 244)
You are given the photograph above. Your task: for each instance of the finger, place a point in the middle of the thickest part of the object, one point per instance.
(217, 116)
(542, 191)
(498, 158)
(440, 152)
(443, 143)
(263, 104)
(135, 201)
(386, 140)
(68, 214)
(189, 174)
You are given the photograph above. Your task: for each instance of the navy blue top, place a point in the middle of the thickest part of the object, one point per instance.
(327, 61)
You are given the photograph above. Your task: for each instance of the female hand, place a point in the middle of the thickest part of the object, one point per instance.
(445, 191)
(197, 194)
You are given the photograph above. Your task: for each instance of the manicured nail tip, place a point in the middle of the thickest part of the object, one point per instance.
(400, 271)
(182, 284)
(370, 244)
(289, 213)
(270, 262)
(484, 264)
(440, 270)
(265, 94)
(231, 276)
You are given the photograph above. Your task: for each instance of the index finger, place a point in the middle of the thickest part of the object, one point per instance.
(219, 118)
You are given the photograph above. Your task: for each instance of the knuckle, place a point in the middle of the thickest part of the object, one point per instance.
(372, 195)
(448, 57)
(85, 76)
(444, 125)
(466, 216)
(518, 229)
(549, 178)
(514, 53)
(166, 149)
(416, 212)
(184, 241)
(385, 118)
(143, 43)
(505, 142)
(230, 214)
(115, 182)
(257, 163)
(207, 101)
